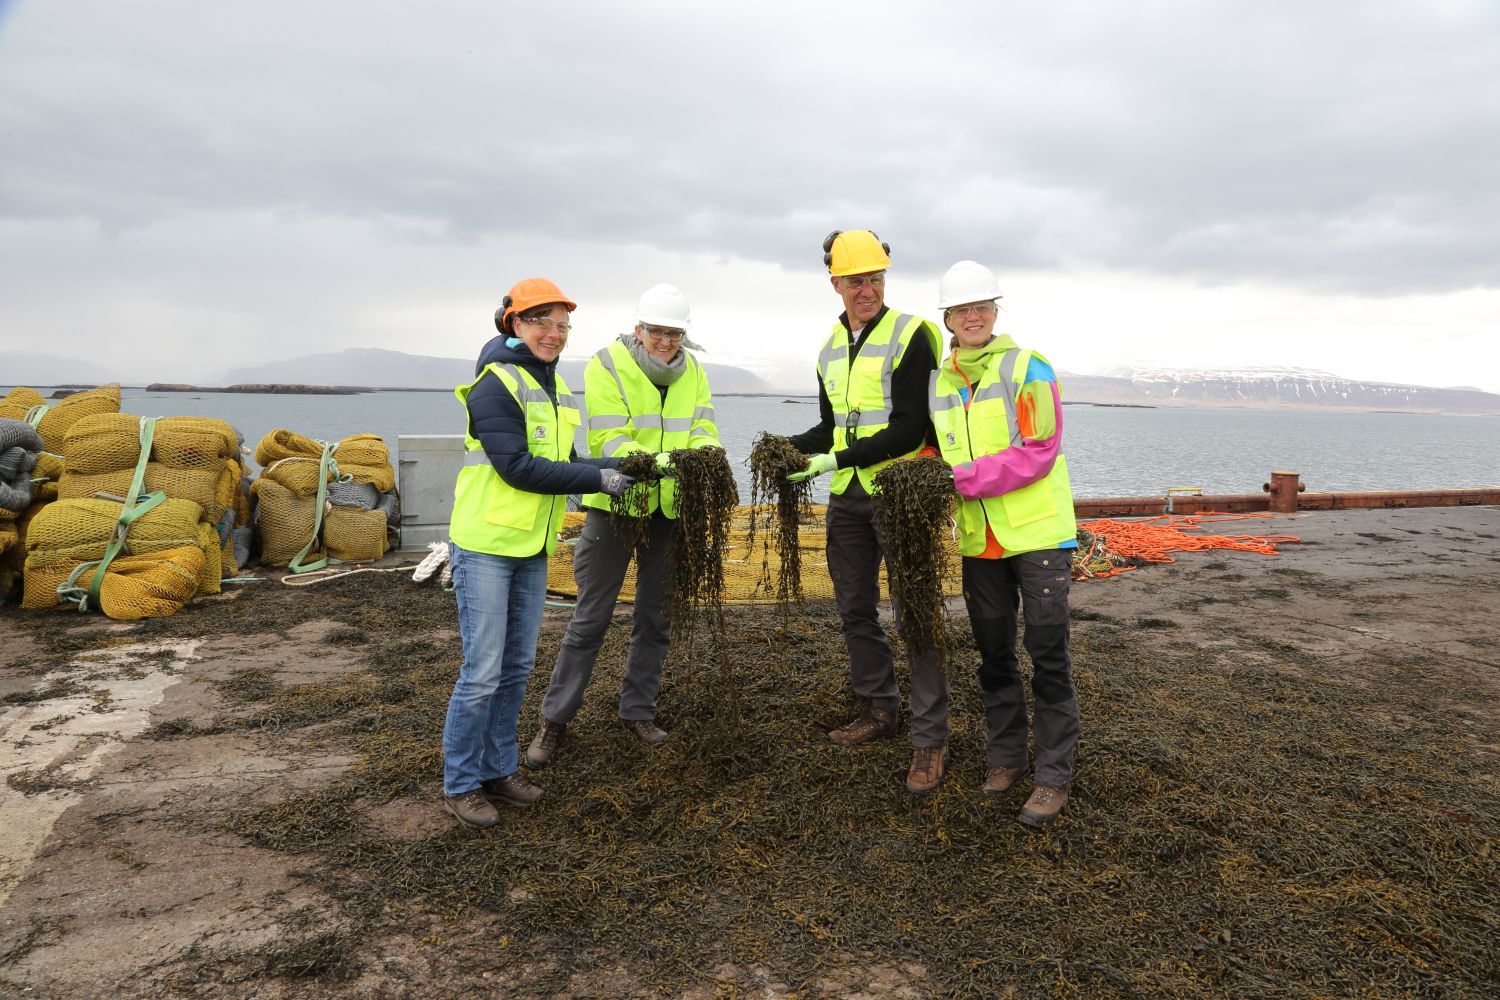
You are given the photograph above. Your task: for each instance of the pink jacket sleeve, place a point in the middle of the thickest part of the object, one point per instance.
(1013, 468)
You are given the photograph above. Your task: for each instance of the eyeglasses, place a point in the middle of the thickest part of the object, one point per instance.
(855, 282)
(545, 323)
(663, 333)
(980, 309)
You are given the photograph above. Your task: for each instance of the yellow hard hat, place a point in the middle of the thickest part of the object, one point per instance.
(857, 251)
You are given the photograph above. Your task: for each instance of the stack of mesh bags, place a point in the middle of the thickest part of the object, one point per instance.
(51, 422)
(165, 559)
(192, 458)
(360, 503)
(19, 445)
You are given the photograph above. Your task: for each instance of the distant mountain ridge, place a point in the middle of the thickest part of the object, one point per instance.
(372, 366)
(1268, 387)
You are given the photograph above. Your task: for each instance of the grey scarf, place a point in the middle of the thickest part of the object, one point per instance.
(661, 373)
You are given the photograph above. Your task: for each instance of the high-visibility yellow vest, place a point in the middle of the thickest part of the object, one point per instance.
(628, 414)
(1035, 517)
(490, 515)
(861, 394)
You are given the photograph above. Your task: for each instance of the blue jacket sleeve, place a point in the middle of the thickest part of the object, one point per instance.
(495, 418)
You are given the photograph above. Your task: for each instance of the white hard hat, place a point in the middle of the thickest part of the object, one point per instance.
(967, 281)
(663, 305)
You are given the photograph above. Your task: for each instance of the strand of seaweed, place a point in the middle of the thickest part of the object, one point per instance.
(706, 500)
(777, 508)
(915, 502)
(630, 512)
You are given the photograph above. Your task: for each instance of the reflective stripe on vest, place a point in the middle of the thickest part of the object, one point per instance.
(490, 515)
(1034, 517)
(652, 422)
(845, 380)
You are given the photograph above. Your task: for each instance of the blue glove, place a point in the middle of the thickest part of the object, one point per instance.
(816, 466)
(613, 483)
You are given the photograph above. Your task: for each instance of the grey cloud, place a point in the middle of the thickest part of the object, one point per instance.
(1338, 146)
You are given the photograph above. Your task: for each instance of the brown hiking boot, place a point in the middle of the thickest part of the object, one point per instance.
(512, 789)
(471, 808)
(645, 730)
(1043, 806)
(926, 771)
(1000, 779)
(870, 724)
(544, 743)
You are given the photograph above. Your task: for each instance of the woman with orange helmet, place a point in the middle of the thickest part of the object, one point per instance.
(508, 505)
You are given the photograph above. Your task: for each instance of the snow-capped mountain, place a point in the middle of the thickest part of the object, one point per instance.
(1267, 387)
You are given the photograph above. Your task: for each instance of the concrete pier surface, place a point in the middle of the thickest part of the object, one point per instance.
(132, 752)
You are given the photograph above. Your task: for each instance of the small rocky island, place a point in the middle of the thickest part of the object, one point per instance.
(273, 388)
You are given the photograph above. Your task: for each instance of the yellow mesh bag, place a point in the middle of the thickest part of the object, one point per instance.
(68, 532)
(362, 449)
(63, 414)
(148, 586)
(10, 537)
(742, 566)
(283, 443)
(286, 522)
(102, 442)
(193, 442)
(19, 401)
(382, 477)
(201, 486)
(299, 475)
(352, 534)
(213, 562)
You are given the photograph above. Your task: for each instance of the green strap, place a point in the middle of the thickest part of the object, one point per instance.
(132, 508)
(325, 464)
(36, 413)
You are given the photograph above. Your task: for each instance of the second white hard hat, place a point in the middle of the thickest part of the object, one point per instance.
(663, 305)
(967, 281)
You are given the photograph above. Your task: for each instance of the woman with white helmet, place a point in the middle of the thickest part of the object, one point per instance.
(645, 394)
(997, 415)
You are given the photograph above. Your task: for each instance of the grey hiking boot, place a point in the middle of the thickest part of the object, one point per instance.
(1043, 807)
(471, 808)
(544, 744)
(645, 730)
(512, 789)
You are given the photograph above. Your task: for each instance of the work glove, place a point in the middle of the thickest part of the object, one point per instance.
(816, 466)
(614, 483)
(664, 463)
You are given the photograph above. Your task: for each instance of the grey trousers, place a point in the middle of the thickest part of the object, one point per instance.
(855, 551)
(599, 565)
(1039, 582)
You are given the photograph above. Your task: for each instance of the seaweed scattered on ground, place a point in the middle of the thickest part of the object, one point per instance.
(1173, 872)
(630, 512)
(914, 501)
(777, 508)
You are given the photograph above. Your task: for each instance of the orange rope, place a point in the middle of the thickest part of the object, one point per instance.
(1152, 539)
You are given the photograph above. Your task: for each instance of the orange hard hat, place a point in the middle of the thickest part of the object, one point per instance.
(528, 293)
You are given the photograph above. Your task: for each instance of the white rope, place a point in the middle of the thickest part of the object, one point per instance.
(324, 575)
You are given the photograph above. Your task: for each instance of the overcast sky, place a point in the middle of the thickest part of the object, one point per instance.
(187, 187)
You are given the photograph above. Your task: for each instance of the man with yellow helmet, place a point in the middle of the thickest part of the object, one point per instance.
(873, 372)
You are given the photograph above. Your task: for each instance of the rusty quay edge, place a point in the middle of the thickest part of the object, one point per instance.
(1283, 494)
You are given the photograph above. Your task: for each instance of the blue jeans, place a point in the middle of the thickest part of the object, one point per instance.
(500, 604)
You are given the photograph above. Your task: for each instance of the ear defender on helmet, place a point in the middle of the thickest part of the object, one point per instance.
(828, 247)
(500, 314)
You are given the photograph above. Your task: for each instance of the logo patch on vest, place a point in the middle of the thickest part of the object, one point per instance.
(950, 438)
(541, 433)
(833, 384)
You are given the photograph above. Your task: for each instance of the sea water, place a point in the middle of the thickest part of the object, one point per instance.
(1112, 451)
